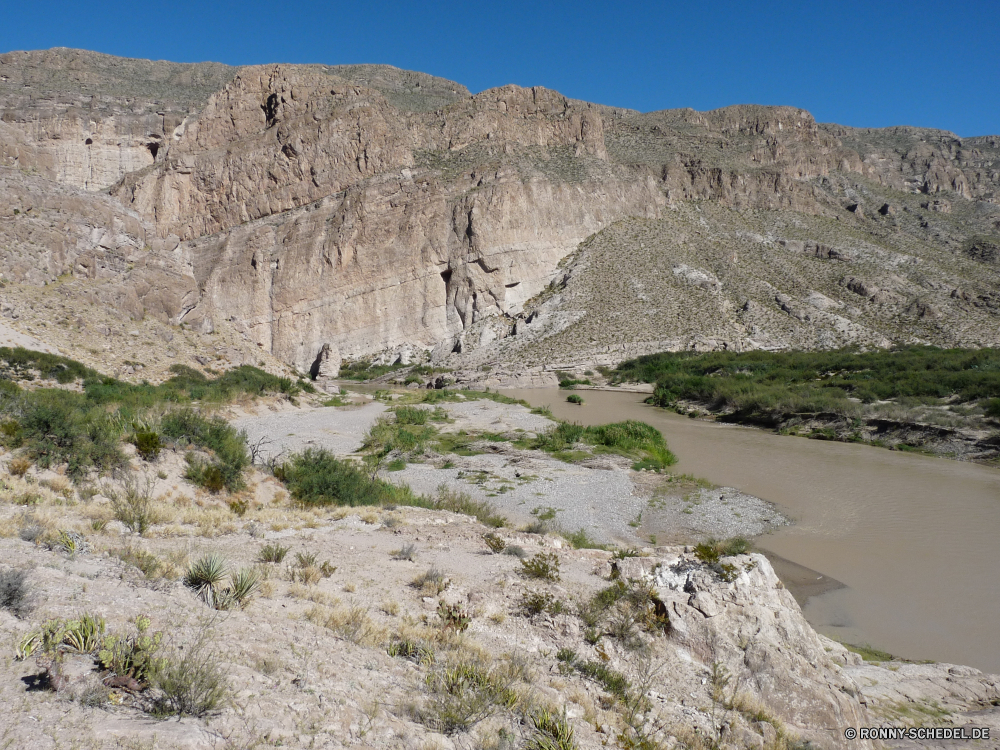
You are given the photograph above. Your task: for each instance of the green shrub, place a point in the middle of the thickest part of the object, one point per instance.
(991, 407)
(762, 385)
(460, 502)
(581, 540)
(411, 415)
(84, 430)
(193, 681)
(573, 398)
(614, 682)
(227, 446)
(146, 562)
(536, 602)
(317, 477)
(544, 565)
(459, 696)
(712, 549)
(147, 444)
(495, 543)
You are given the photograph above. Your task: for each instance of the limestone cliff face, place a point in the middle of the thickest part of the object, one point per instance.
(299, 201)
(86, 120)
(366, 209)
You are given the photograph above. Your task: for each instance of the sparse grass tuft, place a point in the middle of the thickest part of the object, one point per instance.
(273, 553)
(134, 505)
(192, 681)
(15, 593)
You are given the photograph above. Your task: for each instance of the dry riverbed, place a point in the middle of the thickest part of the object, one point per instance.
(599, 494)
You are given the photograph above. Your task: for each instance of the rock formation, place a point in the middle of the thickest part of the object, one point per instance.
(366, 209)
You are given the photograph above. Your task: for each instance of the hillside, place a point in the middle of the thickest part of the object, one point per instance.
(368, 212)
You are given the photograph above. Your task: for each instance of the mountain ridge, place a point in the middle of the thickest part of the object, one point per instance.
(365, 211)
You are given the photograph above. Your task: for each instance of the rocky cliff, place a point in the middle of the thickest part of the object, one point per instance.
(369, 211)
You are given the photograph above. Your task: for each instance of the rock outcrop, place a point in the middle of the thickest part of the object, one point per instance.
(368, 209)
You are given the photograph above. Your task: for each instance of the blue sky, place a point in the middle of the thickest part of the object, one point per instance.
(869, 64)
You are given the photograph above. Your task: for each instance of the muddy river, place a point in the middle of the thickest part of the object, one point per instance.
(913, 539)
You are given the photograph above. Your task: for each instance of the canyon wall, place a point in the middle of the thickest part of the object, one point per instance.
(368, 210)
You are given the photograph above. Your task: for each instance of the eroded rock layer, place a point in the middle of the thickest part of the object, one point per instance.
(358, 210)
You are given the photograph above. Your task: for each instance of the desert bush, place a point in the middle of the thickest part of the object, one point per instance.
(614, 682)
(756, 385)
(192, 681)
(406, 552)
(623, 607)
(351, 623)
(582, 540)
(55, 426)
(227, 446)
(317, 477)
(991, 407)
(133, 506)
(147, 445)
(544, 565)
(575, 398)
(273, 553)
(205, 577)
(537, 602)
(15, 593)
(712, 550)
(411, 415)
(460, 695)
(432, 580)
(495, 543)
(18, 467)
(147, 563)
(515, 550)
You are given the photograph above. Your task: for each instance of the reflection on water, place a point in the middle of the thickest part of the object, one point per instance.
(912, 538)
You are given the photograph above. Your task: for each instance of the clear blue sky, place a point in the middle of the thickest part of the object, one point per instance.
(869, 64)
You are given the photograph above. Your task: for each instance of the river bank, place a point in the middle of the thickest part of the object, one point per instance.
(888, 525)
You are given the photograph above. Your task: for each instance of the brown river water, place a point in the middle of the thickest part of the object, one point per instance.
(914, 539)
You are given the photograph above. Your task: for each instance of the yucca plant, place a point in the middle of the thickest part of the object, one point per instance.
(552, 732)
(84, 635)
(205, 577)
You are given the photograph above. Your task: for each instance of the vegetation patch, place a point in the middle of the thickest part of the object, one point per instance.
(317, 477)
(636, 440)
(84, 430)
(760, 385)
